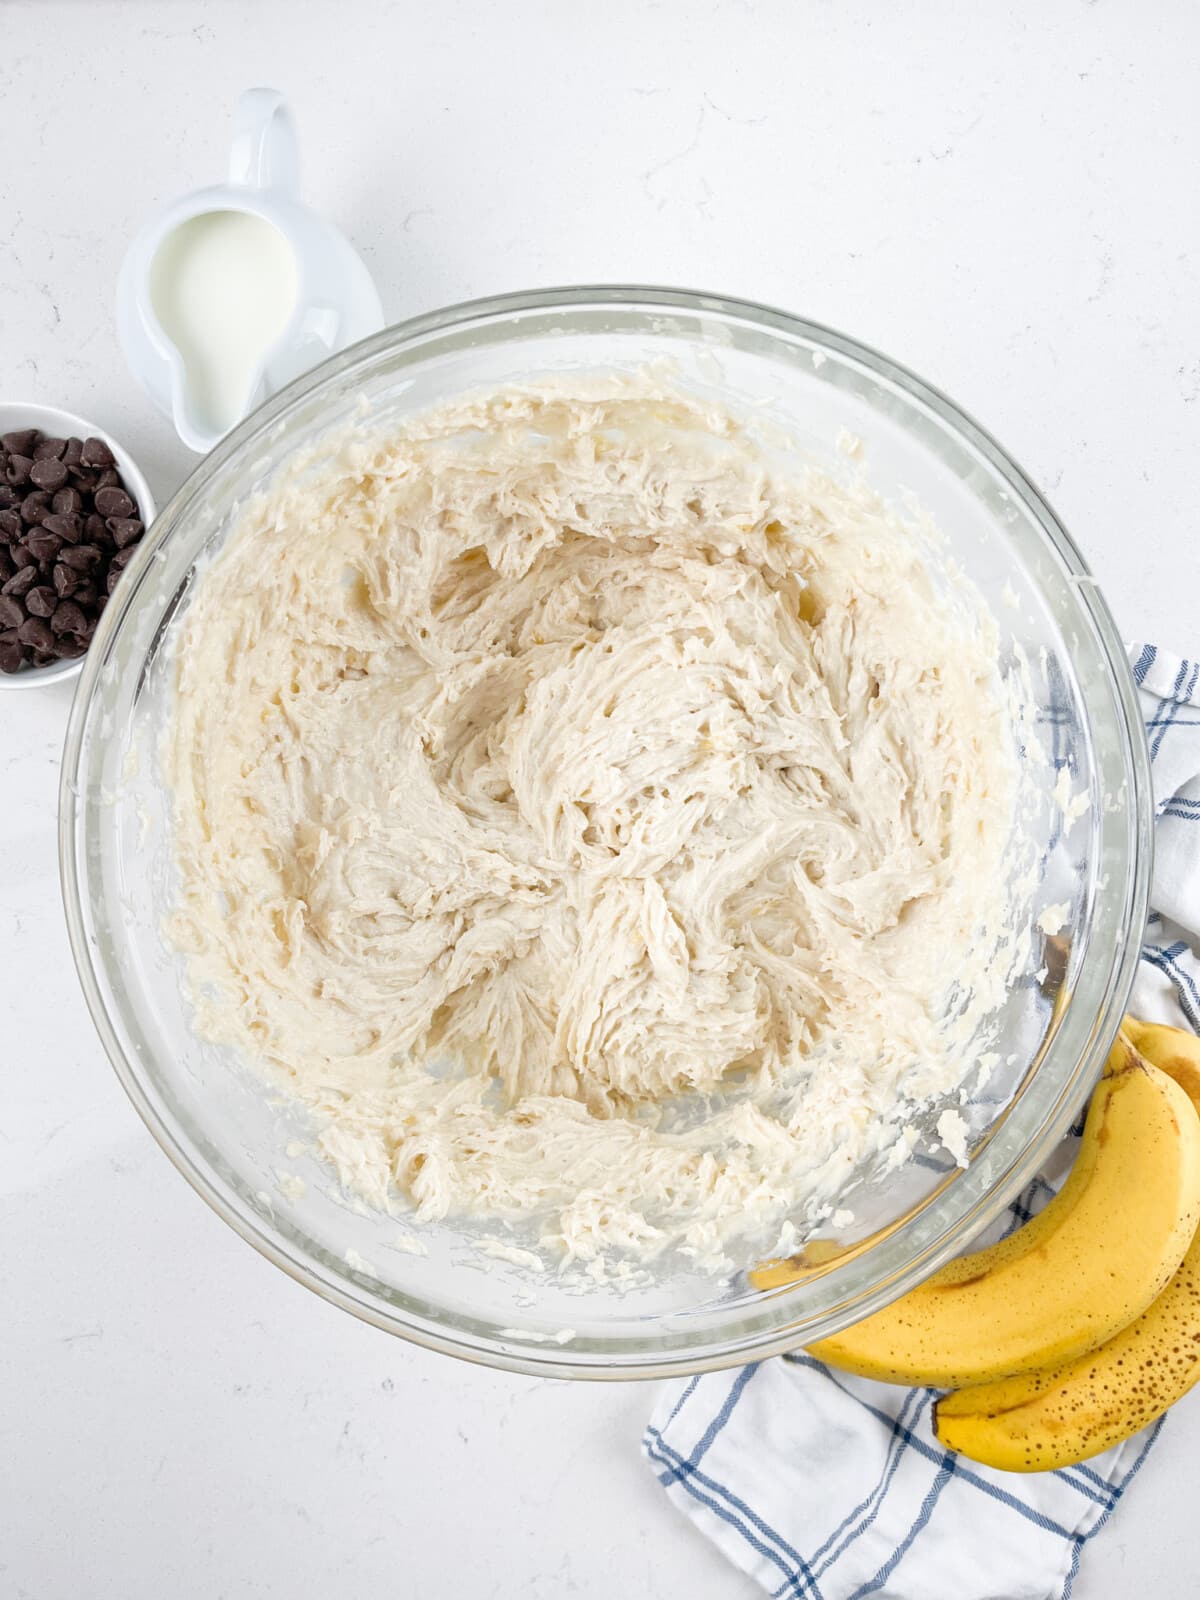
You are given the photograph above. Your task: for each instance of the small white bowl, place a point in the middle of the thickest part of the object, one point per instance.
(56, 424)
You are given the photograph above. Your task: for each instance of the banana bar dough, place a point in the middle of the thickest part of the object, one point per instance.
(591, 818)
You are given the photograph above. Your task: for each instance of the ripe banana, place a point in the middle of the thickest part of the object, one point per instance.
(1074, 1410)
(1170, 1049)
(1075, 1275)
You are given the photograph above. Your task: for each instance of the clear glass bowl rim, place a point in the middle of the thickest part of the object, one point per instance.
(967, 1207)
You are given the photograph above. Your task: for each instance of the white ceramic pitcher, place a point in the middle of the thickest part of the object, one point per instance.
(335, 301)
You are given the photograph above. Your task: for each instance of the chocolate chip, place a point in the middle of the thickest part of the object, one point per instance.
(44, 544)
(21, 582)
(11, 652)
(35, 632)
(83, 557)
(66, 525)
(48, 473)
(96, 453)
(68, 529)
(68, 618)
(36, 506)
(125, 530)
(67, 502)
(114, 502)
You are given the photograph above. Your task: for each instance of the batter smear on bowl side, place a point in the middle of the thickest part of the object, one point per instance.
(591, 818)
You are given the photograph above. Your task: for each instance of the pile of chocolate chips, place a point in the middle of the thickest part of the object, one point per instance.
(68, 526)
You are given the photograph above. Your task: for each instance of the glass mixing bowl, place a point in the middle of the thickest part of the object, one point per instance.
(241, 1146)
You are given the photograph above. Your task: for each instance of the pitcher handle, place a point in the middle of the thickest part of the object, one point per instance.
(264, 153)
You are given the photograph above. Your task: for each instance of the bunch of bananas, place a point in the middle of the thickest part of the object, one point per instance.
(1084, 1325)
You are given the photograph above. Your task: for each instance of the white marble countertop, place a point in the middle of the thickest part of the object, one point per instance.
(1002, 197)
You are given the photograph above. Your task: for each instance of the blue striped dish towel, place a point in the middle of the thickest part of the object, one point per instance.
(827, 1487)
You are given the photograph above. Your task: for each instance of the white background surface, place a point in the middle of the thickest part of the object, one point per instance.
(1003, 198)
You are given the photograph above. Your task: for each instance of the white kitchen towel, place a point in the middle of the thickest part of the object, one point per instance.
(827, 1487)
